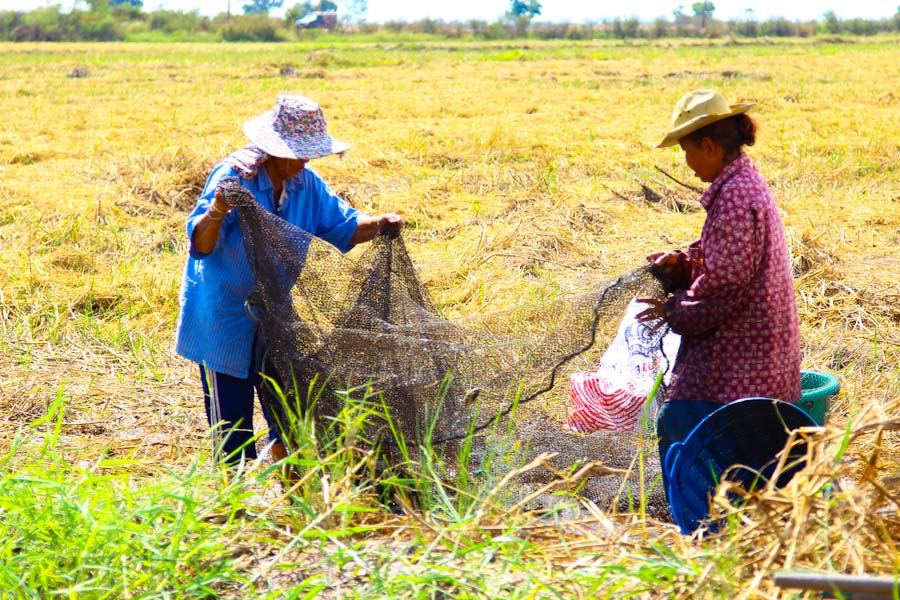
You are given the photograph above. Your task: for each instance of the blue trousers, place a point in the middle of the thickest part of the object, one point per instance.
(229, 410)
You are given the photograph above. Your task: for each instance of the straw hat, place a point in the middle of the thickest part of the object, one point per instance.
(294, 128)
(698, 109)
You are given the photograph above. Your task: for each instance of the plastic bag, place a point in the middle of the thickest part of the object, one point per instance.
(613, 396)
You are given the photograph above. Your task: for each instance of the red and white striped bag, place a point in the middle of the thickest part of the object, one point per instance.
(599, 403)
(613, 396)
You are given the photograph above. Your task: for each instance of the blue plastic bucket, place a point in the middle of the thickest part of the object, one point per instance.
(750, 433)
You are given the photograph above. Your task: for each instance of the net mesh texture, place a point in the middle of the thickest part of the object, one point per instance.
(499, 379)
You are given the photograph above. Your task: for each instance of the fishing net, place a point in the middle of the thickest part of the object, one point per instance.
(499, 380)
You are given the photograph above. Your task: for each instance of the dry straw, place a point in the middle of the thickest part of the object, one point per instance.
(522, 172)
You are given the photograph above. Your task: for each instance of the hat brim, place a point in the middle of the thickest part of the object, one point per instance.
(700, 122)
(259, 131)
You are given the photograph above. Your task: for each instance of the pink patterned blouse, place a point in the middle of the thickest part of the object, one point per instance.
(738, 319)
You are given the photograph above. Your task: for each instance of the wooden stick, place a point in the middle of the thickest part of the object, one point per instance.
(681, 183)
(616, 193)
(833, 582)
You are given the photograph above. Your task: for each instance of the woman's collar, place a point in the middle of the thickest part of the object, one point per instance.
(709, 196)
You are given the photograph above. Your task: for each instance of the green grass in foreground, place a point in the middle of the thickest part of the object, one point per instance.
(96, 531)
(87, 530)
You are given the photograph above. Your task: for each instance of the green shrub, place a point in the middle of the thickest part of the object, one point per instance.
(174, 21)
(251, 28)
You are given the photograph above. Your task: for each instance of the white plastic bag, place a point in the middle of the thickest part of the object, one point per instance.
(613, 396)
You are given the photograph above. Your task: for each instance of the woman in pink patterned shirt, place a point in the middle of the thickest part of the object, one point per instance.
(732, 294)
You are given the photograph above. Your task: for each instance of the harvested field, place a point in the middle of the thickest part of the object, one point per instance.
(524, 171)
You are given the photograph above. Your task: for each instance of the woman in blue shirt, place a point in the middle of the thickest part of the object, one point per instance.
(214, 329)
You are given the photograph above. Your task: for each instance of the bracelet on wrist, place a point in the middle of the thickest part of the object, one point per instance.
(215, 214)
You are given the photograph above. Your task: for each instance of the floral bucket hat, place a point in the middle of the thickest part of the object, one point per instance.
(294, 128)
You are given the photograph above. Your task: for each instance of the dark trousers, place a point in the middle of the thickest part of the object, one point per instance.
(229, 410)
(674, 421)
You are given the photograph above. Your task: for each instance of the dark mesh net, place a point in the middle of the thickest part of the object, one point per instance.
(347, 323)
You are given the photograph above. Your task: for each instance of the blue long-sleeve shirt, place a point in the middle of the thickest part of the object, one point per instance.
(213, 326)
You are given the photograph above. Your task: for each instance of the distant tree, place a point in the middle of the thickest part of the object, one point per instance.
(524, 8)
(831, 22)
(862, 27)
(703, 12)
(176, 21)
(778, 27)
(102, 6)
(660, 28)
(250, 28)
(521, 12)
(97, 5)
(476, 25)
(748, 27)
(681, 20)
(261, 6)
(627, 29)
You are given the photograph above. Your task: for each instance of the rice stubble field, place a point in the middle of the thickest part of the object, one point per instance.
(524, 171)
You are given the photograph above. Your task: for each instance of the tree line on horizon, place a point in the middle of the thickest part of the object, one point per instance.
(125, 20)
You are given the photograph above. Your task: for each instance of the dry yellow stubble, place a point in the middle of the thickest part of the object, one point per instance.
(522, 170)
